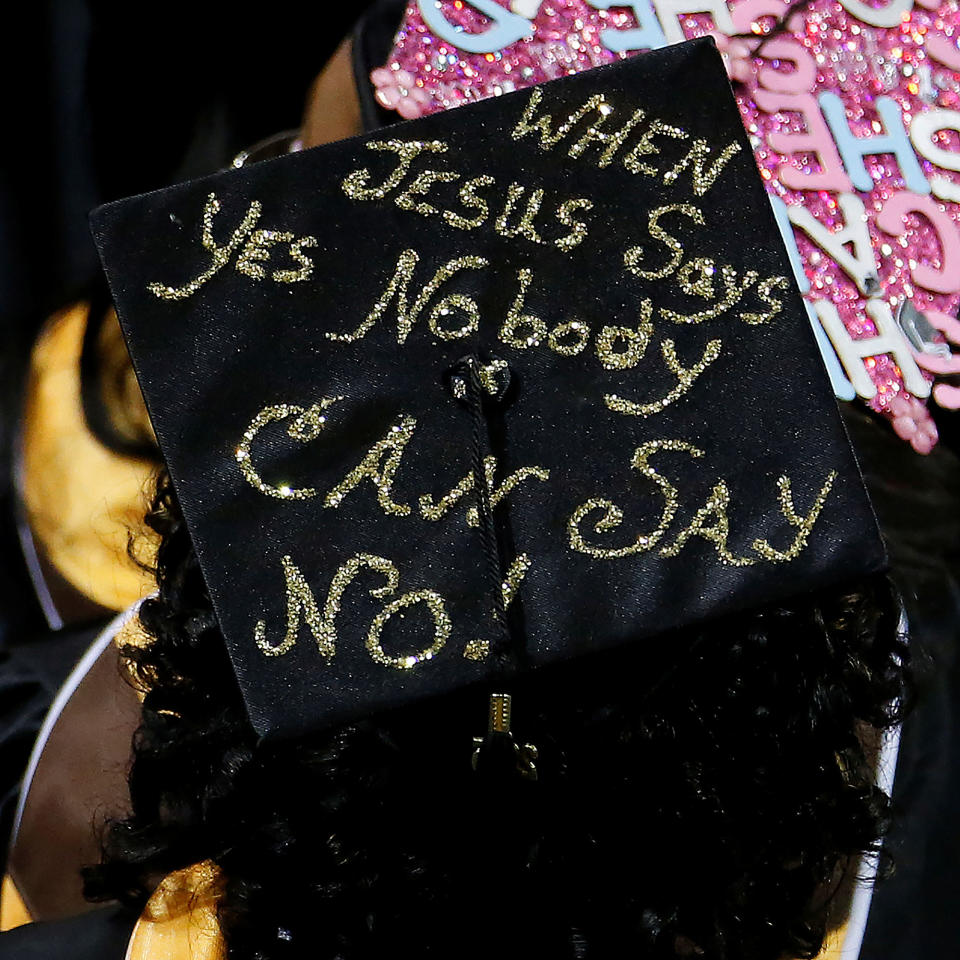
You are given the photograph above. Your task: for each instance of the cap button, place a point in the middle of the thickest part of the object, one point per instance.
(493, 375)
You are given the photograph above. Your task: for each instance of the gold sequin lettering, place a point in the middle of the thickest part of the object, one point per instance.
(734, 289)
(431, 509)
(714, 509)
(479, 648)
(517, 218)
(616, 140)
(514, 576)
(435, 510)
(256, 251)
(569, 339)
(305, 270)
(509, 484)
(220, 255)
(311, 422)
(578, 231)
(445, 307)
(419, 187)
(398, 288)
(521, 329)
(765, 289)
(469, 198)
(476, 649)
(300, 602)
(344, 576)
(613, 515)
(441, 630)
(645, 147)
(620, 348)
(686, 376)
(307, 426)
(543, 124)
(695, 278)
(804, 525)
(356, 184)
(379, 466)
(634, 255)
(488, 373)
(525, 227)
(596, 112)
(703, 178)
(595, 132)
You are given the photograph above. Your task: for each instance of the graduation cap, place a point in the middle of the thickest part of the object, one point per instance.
(490, 390)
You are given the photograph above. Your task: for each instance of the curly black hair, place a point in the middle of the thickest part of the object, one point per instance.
(701, 795)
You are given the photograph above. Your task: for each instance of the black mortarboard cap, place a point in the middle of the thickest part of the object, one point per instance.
(579, 287)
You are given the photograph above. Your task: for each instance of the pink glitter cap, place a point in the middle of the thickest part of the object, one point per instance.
(865, 61)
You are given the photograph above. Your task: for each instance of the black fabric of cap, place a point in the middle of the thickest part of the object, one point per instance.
(662, 472)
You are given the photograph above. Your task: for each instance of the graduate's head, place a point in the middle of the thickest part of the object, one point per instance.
(711, 790)
(490, 430)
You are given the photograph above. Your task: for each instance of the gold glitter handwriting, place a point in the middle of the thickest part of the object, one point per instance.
(597, 112)
(445, 307)
(441, 633)
(515, 575)
(522, 330)
(310, 421)
(645, 146)
(614, 141)
(379, 465)
(476, 649)
(256, 251)
(613, 515)
(489, 372)
(300, 600)
(633, 339)
(419, 186)
(804, 525)
(219, 255)
(508, 485)
(717, 532)
(469, 198)
(686, 377)
(633, 256)
(703, 178)
(569, 338)
(356, 184)
(525, 226)
(398, 288)
(710, 523)
(305, 270)
(302, 603)
(479, 648)
(549, 138)
(345, 575)
(764, 290)
(508, 223)
(255, 246)
(431, 509)
(456, 316)
(735, 287)
(695, 278)
(411, 197)
(578, 231)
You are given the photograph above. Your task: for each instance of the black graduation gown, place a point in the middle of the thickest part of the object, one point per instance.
(102, 934)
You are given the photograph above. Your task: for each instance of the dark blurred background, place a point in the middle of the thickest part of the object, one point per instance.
(106, 99)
